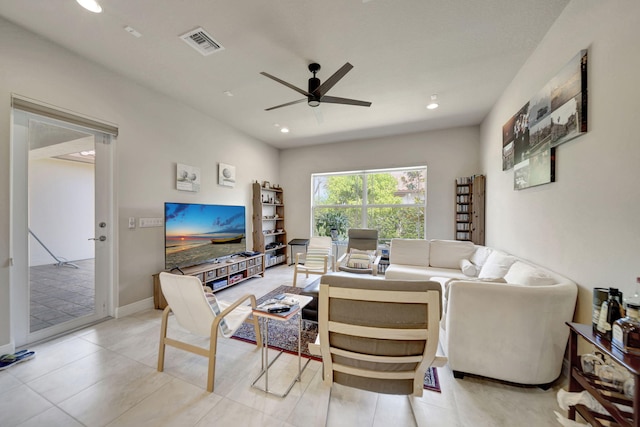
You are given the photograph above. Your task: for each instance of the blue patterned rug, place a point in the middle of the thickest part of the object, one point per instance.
(284, 336)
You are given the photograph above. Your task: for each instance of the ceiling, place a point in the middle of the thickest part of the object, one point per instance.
(403, 51)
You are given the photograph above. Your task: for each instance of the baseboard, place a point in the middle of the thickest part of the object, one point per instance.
(129, 309)
(8, 348)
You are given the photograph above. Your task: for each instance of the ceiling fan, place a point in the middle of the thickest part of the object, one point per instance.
(317, 92)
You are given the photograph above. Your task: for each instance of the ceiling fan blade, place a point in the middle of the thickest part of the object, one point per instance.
(336, 100)
(289, 85)
(287, 104)
(331, 81)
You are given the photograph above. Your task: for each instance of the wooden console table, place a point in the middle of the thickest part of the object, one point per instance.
(606, 396)
(218, 275)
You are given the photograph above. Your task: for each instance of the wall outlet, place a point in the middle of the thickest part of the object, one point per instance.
(151, 222)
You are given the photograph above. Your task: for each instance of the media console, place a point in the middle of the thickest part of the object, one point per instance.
(217, 275)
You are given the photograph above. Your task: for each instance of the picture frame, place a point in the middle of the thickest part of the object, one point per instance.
(187, 178)
(226, 175)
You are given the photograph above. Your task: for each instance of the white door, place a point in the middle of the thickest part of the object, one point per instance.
(62, 227)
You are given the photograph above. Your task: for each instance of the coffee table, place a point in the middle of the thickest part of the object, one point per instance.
(264, 319)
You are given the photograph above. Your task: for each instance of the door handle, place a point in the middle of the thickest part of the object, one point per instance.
(101, 238)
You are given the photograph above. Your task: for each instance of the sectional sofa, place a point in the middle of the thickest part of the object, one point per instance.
(503, 317)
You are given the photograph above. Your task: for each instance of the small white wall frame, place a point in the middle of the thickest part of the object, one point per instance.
(226, 175)
(187, 178)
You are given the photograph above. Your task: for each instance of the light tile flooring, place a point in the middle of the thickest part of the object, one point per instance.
(105, 375)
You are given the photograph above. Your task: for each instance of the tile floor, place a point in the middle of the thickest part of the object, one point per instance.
(59, 294)
(105, 375)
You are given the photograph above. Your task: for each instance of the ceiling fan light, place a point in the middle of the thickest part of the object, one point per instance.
(434, 103)
(90, 5)
(313, 103)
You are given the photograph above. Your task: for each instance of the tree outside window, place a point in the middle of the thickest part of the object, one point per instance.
(393, 201)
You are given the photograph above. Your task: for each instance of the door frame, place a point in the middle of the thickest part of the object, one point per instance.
(19, 237)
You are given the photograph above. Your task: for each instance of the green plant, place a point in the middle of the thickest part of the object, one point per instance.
(328, 220)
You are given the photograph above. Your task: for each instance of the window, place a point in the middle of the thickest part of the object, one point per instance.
(393, 201)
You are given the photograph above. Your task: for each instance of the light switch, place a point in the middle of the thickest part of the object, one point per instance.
(132, 222)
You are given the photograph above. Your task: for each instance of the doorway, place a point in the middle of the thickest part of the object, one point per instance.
(62, 222)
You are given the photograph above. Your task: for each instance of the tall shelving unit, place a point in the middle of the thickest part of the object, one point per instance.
(269, 235)
(469, 207)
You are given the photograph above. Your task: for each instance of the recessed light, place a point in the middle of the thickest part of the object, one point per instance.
(90, 5)
(434, 103)
(284, 130)
(228, 93)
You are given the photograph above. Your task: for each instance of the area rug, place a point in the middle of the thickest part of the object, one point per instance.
(284, 336)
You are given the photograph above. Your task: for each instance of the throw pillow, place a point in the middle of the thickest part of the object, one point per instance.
(496, 266)
(480, 256)
(213, 302)
(449, 253)
(528, 275)
(360, 259)
(468, 268)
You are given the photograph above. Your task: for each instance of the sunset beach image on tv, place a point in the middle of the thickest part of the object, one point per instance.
(200, 233)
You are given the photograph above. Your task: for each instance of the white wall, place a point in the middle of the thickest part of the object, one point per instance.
(585, 225)
(155, 134)
(447, 154)
(61, 210)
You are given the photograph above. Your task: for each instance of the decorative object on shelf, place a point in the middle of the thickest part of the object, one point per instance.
(187, 178)
(226, 175)
(557, 114)
(266, 184)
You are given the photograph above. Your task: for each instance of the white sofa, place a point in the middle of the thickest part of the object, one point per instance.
(503, 319)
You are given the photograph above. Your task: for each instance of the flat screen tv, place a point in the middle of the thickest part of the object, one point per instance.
(198, 233)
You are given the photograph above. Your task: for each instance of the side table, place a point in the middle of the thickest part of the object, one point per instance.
(264, 318)
(297, 242)
(579, 381)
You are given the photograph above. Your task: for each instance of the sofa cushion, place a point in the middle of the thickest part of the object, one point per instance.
(406, 272)
(449, 253)
(469, 268)
(525, 274)
(409, 252)
(496, 266)
(480, 256)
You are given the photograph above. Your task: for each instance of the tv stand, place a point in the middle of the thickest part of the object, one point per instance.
(217, 275)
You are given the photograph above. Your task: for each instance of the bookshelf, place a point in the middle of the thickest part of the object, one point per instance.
(269, 235)
(469, 209)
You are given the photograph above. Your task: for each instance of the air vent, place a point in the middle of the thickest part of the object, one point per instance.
(201, 41)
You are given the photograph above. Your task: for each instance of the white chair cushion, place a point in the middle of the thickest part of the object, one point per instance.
(524, 274)
(315, 258)
(235, 319)
(449, 253)
(497, 265)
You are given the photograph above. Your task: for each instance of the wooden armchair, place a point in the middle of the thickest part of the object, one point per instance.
(317, 260)
(378, 335)
(202, 315)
